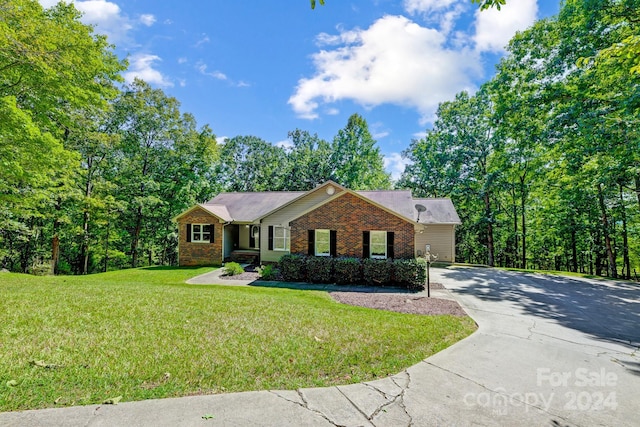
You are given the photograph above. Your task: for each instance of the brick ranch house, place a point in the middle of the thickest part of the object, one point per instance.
(329, 220)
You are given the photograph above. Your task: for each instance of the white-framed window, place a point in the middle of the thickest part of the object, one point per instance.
(323, 243)
(280, 239)
(378, 244)
(201, 233)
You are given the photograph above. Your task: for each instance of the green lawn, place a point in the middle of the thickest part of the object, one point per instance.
(144, 334)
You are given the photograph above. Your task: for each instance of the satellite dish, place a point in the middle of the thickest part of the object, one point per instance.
(420, 209)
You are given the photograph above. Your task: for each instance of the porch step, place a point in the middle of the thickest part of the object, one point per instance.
(245, 256)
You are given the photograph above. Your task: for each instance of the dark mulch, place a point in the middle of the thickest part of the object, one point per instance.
(400, 303)
(382, 301)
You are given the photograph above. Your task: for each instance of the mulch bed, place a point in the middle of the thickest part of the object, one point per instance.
(400, 303)
(382, 301)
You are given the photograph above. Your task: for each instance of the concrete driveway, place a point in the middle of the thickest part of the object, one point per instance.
(549, 351)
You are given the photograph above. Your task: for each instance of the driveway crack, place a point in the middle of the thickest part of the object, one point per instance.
(92, 417)
(305, 405)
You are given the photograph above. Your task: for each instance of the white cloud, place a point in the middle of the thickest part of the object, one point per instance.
(393, 61)
(182, 60)
(204, 39)
(426, 6)
(287, 145)
(147, 19)
(215, 74)
(494, 28)
(443, 12)
(106, 16)
(142, 67)
(395, 164)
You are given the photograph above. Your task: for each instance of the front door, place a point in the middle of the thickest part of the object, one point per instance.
(254, 237)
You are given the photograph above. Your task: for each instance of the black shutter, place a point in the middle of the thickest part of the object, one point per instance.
(188, 232)
(311, 248)
(365, 245)
(252, 239)
(212, 234)
(332, 243)
(271, 237)
(390, 253)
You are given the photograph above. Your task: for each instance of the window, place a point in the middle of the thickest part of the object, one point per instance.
(378, 244)
(323, 243)
(201, 233)
(280, 239)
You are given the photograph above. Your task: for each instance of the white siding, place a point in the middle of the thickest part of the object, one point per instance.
(442, 241)
(285, 215)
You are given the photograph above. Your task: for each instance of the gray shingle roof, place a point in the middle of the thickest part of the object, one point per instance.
(248, 207)
(438, 211)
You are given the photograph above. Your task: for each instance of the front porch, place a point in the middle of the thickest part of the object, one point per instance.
(242, 243)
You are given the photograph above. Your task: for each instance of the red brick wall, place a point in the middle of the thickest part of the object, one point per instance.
(190, 253)
(349, 215)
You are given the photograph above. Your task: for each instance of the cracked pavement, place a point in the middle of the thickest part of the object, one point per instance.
(549, 350)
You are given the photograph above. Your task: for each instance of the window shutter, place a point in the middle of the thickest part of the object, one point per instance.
(271, 237)
(311, 248)
(365, 244)
(212, 235)
(188, 232)
(332, 243)
(390, 253)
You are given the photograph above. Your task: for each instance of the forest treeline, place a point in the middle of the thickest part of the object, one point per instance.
(542, 162)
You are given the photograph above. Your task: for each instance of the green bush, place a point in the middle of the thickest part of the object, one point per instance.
(232, 269)
(347, 271)
(293, 268)
(377, 272)
(410, 273)
(40, 269)
(320, 269)
(267, 272)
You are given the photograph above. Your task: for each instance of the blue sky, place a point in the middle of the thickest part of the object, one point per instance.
(264, 68)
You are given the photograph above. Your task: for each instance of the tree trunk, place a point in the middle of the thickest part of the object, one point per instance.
(626, 268)
(607, 238)
(490, 248)
(523, 198)
(136, 237)
(574, 249)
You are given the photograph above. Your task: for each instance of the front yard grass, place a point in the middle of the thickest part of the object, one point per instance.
(143, 333)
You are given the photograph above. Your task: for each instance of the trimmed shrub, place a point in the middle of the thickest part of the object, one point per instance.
(347, 271)
(293, 268)
(410, 273)
(320, 269)
(377, 272)
(232, 269)
(267, 272)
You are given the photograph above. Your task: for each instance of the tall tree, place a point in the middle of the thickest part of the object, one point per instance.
(356, 159)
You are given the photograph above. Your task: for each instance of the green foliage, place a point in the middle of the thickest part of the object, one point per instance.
(410, 273)
(377, 272)
(40, 269)
(320, 269)
(293, 268)
(232, 269)
(267, 272)
(357, 161)
(348, 271)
